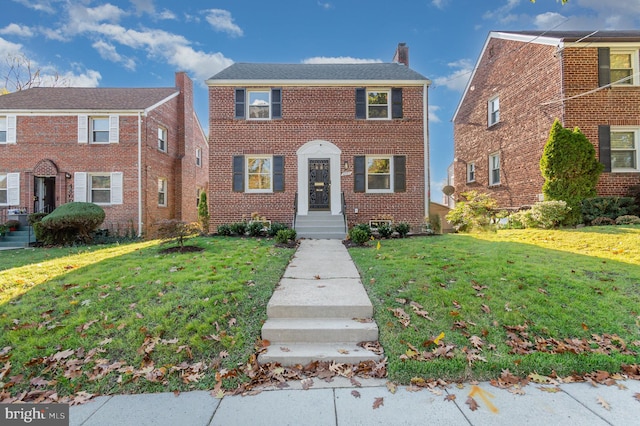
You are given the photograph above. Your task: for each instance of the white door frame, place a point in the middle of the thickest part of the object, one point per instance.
(319, 149)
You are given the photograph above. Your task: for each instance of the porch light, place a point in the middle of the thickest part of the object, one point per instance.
(346, 165)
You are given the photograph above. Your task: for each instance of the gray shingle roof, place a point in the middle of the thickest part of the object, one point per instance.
(82, 98)
(622, 35)
(326, 72)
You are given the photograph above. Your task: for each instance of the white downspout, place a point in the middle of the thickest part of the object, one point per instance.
(427, 169)
(139, 174)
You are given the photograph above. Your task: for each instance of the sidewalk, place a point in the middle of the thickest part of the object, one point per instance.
(340, 403)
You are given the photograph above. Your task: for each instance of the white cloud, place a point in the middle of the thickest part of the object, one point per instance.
(9, 48)
(325, 5)
(87, 78)
(222, 21)
(144, 6)
(503, 14)
(17, 30)
(108, 51)
(458, 79)
(433, 117)
(39, 5)
(167, 15)
(548, 20)
(440, 4)
(339, 60)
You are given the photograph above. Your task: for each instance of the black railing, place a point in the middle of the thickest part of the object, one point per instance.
(344, 213)
(295, 211)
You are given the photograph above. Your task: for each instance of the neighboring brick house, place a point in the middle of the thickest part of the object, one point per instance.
(302, 141)
(140, 153)
(521, 83)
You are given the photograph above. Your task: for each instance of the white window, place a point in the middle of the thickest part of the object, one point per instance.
(10, 189)
(98, 188)
(162, 192)
(494, 169)
(8, 129)
(471, 172)
(378, 104)
(259, 104)
(624, 67)
(259, 174)
(494, 111)
(198, 157)
(379, 174)
(98, 129)
(162, 139)
(624, 149)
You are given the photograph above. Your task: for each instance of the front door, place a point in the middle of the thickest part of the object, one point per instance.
(44, 194)
(319, 184)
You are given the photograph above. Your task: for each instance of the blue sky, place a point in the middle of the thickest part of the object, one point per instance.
(141, 43)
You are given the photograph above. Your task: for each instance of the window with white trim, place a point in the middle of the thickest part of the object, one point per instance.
(102, 188)
(3, 129)
(7, 129)
(162, 139)
(259, 173)
(98, 129)
(4, 191)
(162, 192)
(379, 174)
(378, 107)
(624, 149)
(471, 172)
(624, 67)
(494, 169)
(259, 104)
(198, 157)
(493, 108)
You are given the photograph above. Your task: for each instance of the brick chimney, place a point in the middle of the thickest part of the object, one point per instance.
(402, 54)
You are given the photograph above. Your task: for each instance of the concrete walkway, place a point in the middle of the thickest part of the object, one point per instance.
(318, 267)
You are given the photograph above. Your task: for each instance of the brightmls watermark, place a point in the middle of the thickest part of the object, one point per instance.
(34, 414)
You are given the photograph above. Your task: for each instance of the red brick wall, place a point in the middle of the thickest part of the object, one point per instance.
(314, 113)
(528, 79)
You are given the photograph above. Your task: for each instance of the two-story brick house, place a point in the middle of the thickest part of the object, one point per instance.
(140, 153)
(521, 83)
(307, 143)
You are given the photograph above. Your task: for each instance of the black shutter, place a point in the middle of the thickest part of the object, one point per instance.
(359, 173)
(604, 142)
(399, 173)
(240, 102)
(238, 173)
(396, 103)
(361, 103)
(276, 103)
(604, 66)
(278, 173)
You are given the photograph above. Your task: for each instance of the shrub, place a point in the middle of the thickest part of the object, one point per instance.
(634, 192)
(549, 214)
(364, 227)
(283, 236)
(239, 228)
(224, 229)
(255, 229)
(628, 219)
(520, 220)
(12, 224)
(435, 223)
(174, 230)
(570, 169)
(476, 213)
(203, 212)
(402, 228)
(601, 221)
(359, 235)
(611, 207)
(35, 217)
(275, 227)
(385, 230)
(71, 222)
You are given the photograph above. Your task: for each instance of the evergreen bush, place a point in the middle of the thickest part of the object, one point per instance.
(70, 223)
(611, 207)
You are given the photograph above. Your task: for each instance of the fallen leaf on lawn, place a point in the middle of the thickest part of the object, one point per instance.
(604, 403)
(473, 405)
(139, 315)
(585, 326)
(392, 387)
(355, 393)
(378, 402)
(456, 304)
(535, 377)
(542, 290)
(62, 354)
(486, 309)
(232, 322)
(105, 341)
(440, 337)
(450, 397)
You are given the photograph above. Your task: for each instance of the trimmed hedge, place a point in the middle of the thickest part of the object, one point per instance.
(611, 207)
(71, 222)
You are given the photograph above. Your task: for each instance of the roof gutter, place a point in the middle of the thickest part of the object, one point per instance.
(139, 174)
(427, 169)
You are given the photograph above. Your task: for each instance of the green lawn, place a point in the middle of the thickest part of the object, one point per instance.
(127, 318)
(563, 301)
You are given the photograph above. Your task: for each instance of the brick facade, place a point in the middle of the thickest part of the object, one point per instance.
(535, 83)
(47, 146)
(316, 113)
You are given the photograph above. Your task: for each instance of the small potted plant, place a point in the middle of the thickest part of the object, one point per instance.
(3, 230)
(12, 224)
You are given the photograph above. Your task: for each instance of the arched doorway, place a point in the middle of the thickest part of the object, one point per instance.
(44, 186)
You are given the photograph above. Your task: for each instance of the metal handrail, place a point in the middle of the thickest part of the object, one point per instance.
(344, 212)
(295, 210)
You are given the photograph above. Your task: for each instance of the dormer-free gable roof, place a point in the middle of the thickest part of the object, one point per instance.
(86, 99)
(346, 74)
(560, 39)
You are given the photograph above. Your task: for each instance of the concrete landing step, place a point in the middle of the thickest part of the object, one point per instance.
(335, 298)
(289, 354)
(319, 330)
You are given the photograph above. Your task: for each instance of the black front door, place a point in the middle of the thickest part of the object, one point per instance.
(319, 184)
(45, 194)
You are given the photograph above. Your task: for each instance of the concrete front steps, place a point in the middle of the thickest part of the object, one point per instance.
(320, 310)
(17, 239)
(320, 224)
